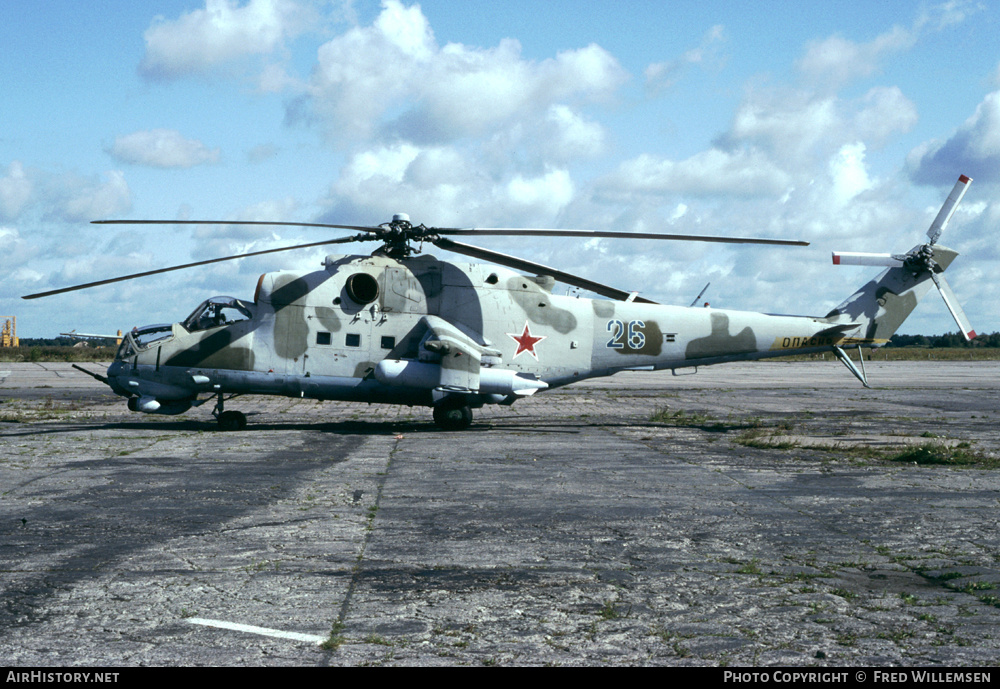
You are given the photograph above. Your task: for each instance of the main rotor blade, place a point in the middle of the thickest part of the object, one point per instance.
(123, 278)
(363, 228)
(601, 234)
(537, 268)
(951, 301)
(948, 209)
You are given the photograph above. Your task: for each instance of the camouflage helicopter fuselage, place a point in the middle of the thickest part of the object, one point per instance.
(420, 331)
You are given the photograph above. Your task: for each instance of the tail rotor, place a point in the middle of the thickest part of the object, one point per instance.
(920, 259)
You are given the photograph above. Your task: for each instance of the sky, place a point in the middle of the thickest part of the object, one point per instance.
(843, 124)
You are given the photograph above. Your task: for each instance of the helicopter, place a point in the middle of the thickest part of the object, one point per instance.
(402, 327)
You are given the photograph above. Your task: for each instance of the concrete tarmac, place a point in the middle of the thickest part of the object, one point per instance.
(750, 514)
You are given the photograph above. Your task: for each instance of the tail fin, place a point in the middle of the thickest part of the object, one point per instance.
(881, 306)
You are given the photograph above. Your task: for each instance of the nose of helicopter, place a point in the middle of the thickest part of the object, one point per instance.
(117, 372)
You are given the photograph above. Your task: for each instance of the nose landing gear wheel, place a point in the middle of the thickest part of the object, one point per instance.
(453, 417)
(232, 421)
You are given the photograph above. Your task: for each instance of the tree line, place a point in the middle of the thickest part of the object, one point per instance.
(65, 342)
(948, 340)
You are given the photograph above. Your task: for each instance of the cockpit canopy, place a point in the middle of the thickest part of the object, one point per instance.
(217, 311)
(211, 313)
(141, 339)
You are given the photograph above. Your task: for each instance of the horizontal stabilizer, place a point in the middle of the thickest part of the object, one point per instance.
(838, 329)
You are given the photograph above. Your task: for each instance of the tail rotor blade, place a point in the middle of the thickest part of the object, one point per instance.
(948, 209)
(700, 294)
(951, 301)
(858, 258)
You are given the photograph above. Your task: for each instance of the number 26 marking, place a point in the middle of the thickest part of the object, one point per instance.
(622, 336)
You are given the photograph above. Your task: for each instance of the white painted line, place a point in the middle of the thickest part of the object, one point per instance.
(251, 629)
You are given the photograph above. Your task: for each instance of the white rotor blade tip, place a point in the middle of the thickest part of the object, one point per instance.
(948, 209)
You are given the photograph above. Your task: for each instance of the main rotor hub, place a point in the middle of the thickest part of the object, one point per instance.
(397, 235)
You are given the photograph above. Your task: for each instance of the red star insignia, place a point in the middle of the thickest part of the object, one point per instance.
(526, 342)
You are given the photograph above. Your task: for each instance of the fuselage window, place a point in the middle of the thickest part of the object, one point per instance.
(353, 340)
(388, 342)
(323, 338)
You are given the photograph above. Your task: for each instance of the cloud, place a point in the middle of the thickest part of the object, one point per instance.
(743, 173)
(394, 79)
(973, 150)
(261, 153)
(432, 184)
(163, 148)
(547, 194)
(15, 190)
(938, 17)
(799, 127)
(227, 240)
(566, 135)
(835, 61)
(662, 75)
(221, 33)
(788, 124)
(31, 193)
(15, 251)
(440, 185)
(849, 174)
(882, 113)
(84, 199)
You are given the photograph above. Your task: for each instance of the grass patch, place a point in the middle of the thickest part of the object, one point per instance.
(752, 567)
(933, 454)
(975, 586)
(608, 611)
(55, 353)
(686, 419)
(928, 454)
(947, 576)
(763, 439)
(914, 353)
(336, 639)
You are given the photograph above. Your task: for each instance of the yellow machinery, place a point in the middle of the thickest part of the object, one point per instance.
(8, 336)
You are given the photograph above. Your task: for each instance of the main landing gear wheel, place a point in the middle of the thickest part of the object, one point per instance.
(453, 417)
(232, 421)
